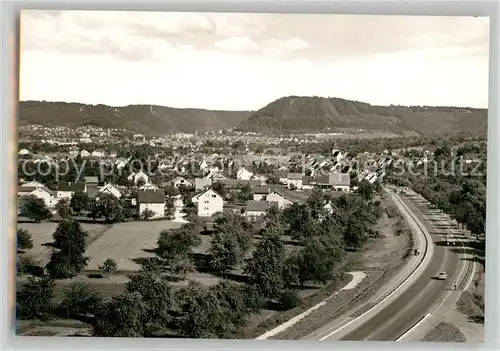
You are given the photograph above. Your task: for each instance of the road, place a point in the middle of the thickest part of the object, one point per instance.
(415, 302)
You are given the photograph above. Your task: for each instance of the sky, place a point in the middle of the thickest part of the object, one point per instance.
(245, 61)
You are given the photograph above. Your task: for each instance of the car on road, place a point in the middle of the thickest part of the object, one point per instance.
(442, 276)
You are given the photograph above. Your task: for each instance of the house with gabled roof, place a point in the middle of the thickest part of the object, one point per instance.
(295, 180)
(136, 177)
(47, 195)
(244, 174)
(84, 153)
(340, 181)
(256, 209)
(276, 197)
(66, 190)
(260, 192)
(209, 203)
(153, 200)
(111, 189)
(178, 181)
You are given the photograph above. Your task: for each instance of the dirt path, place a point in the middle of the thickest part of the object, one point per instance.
(357, 277)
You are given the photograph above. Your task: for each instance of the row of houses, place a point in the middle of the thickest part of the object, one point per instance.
(151, 197)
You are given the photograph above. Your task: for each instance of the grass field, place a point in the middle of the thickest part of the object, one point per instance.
(126, 243)
(42, 235)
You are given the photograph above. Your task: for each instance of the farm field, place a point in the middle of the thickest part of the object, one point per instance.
(126, 242)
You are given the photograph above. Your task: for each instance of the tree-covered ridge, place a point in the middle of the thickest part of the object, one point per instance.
(320, 114)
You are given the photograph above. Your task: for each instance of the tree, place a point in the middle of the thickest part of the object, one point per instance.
(106, 206)
(365, 190)
(157, 294)
(108, 267)
(355, 234)
(289, 299)
(25, 264)
(147, 214)
(24, 239)
(67, 260)
(63, 209)
(80, 202)
(35, 208)
(318, 259)
(244, 192)
(220, 189)
(215, 312)
(316, 202)
(232, 239)
(141, 182)
(79, 300)
(171, 191)
(265, 267)
(178, 241)
(225, 252)
(35, 299)
(273, 215)
(233, 300)
(273, 179)
(180, 265)
(123, 316)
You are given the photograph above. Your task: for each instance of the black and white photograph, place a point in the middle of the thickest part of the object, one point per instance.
(251, 176)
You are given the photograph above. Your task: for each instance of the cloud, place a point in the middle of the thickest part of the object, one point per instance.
(244, 61)
(286, 45)
(269, 46)
(237, 44)
(77, 33)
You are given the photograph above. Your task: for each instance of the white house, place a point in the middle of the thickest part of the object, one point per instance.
(282, 177)
(295, 180)
(136, 177)
(340, 181)
(148, 186)
(47, 195)
(306, 183)
(84, 153)
(178, 181)
(209, 203)
(203, 165)
(244, 174)
(255, 209)
(91, 180)
(66, 190)
(111, 189)
(337, 155)
(276, 198)
(121, 163)
(153, 200)
(260, 193)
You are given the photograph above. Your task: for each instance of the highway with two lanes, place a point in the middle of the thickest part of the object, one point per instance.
(421, 297)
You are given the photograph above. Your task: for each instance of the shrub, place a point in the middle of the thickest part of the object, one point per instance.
(289, 299)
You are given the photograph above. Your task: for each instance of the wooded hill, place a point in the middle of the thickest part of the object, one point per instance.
(318, 114)
(288, 114)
